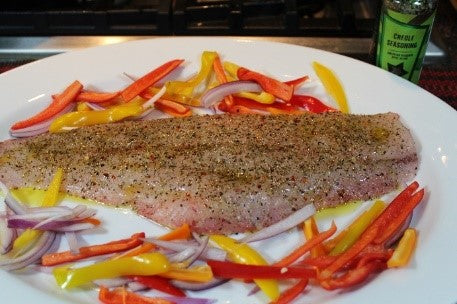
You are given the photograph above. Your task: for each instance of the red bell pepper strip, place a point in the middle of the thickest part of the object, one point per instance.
(252, 104)
(296, 82)
(310, 103)
(229, 270)
(371, 232)
(290, 294)
(300, 251)
(96, 97)
(159, 283)
(396, 223)
(56, 258)
(58, 104)
(122, 296)
(270, 85)
(354, 276)
(149, 79)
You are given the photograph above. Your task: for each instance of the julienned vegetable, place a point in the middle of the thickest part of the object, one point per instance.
(235, 90)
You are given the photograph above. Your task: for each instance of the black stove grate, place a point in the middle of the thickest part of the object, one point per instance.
(338, 18)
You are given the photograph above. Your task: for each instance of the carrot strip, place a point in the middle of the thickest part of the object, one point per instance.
(371, 232)
(270, 85)
(96, 97)
(290, 294)
(180, 233)
(58, 104)
(300, 251)
(52, 259)
(296, 82)
(174, 106)
(92, 221)
(149, 79)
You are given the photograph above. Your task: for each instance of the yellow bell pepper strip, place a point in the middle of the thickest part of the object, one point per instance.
(404, 250)
(186, 88)
(144, 264)
(82, 107)
(262, 97)
(50, 199)
(270, 85)
(150, 92)
(244, 254)
(122, 296)
(201, 273)
(59, 103)
(79, 119)
(310, 230)
(332, 85)
(232, 69)
(149, 79)
(357, 227)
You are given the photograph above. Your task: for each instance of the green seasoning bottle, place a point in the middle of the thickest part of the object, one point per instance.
(404, 30)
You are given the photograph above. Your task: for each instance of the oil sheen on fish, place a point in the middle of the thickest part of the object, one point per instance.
(221, 173)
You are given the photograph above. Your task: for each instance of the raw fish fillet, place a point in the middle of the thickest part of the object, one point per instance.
(221, 173)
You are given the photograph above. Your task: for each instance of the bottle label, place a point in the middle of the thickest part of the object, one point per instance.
(402, 43)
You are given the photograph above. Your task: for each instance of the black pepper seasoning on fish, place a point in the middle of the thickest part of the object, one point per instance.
(221, 173)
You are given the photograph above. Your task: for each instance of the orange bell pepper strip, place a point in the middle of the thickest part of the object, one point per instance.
(310, 230)
(222, 78)
(293, 292)
(58, 104)
(270, 85)
(180, 233)
(404, 250)
(96, 97)
(52, 259)
(149, 79)
(122, 296)
(370, 234)
(395, 224)
(302, 250)
(354, 276)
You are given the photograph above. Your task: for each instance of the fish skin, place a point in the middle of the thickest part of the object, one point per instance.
(221, 173)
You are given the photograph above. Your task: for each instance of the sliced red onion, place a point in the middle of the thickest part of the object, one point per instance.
(216, 94)
(135, 286)
(182, 255)
(199, 251)
(152, 114)
(41, 247)
(59, 217)
(41, 127)
(11, 202)
(7, 236)
(399, 233)
(209, 252)
(281, 226)
(254, 290)
(95, 107)
(111, 283)
(154, 98)
(68, 225)
(39, 216)
(187, 300)
(198, 286)
(72, 242)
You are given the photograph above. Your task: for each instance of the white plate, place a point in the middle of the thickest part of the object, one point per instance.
(432, 275)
